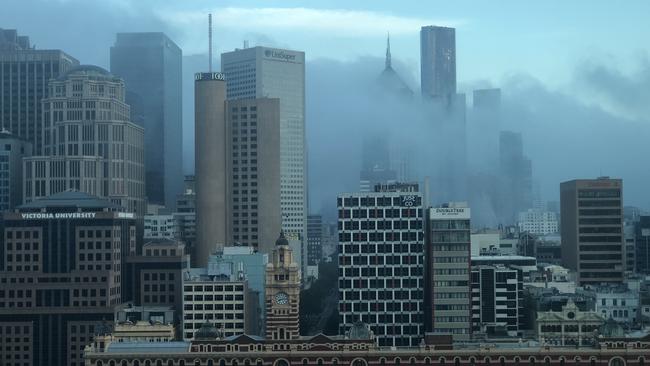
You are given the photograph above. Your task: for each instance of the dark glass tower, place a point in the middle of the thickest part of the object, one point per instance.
(438, 61)
(151, 66)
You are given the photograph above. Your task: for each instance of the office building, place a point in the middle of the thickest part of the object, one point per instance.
(282, 293)
(447, 289)
(63, 273)
(254, 169)
(381, 263)
(538, 222)
(185, 215)
(12, 151)
(263, 72)
(210, 166)
(90, 143)
(438, 61)
(616, 302)
(526, 265)
(151, 66)
(629, 250)
(642, 255)
(515, 171)
(314, 239)
(592, 229)
(222, 301)
(24, 75)
(497, 300)
(160, 227)
(389, 80)
(375, 163)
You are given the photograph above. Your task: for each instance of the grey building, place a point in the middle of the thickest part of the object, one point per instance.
(438, 61)
(447, 309)
(185, 215)
(91, 145)
(24, 75)
(381, 263)
(497, 299)
(263, 72)
(151, 66)
(515, 171)
(12, 150)
(210, 165)
(592, 229)
(314, 239)
(642, 255)
(63, 274)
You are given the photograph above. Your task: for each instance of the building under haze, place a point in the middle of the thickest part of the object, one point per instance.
(90, 143)
(63, 274)
(24, 76)
(592, 229)
(381, 263)
(447, 287)
(437, 61)
(263, 72)
(12, 151)
(151, 66)
(515, 173)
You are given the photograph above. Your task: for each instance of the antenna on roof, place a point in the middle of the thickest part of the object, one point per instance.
(210, 42)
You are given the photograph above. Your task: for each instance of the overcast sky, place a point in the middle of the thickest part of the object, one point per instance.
(575, 74)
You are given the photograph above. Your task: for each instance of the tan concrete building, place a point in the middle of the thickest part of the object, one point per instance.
(592, 229)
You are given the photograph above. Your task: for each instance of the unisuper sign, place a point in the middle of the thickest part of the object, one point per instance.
(279, 54)
(450, 213)
(68, 215)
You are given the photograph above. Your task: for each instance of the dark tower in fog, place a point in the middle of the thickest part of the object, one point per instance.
(438, 61)
(151, 66)
(24, 74)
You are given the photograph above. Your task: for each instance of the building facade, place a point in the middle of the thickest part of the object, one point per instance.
(90, 143)
(642, 234)
(263, 72)
(516, 177)
(538, 222)
(12, 151)
(151, 66)
(24, 75)
(63, 272)
(592, 229)
(160, 227)
(497, 300)
(282, 293)
(314, 239)
(569, 327)
(438, 61)
(381, 263)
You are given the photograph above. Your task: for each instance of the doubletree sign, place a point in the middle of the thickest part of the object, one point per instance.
(201, 76)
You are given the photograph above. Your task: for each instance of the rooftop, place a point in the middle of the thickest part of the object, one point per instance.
(71, 199)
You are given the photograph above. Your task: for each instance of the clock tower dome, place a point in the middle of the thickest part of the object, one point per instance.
(282, 293)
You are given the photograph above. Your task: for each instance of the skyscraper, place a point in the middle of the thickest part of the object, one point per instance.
(64, 273)
(24, 75)
(210, 150)
(151, 66)
(438, 61)
(381, 262)
(12, 151)
(263, 72)
(90, 143)
(591, 225)
(515, 171)
(447, 279)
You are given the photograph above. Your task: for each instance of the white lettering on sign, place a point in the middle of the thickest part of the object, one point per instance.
(450, 212)
(57, 215)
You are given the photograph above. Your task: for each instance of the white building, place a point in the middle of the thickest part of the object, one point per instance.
(160, 226)
(538, 222)
(263, 72)
(616, 302)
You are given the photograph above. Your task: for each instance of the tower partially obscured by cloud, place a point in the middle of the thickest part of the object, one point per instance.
(438, 61)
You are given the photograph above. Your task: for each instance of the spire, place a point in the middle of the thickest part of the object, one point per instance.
(388, 63)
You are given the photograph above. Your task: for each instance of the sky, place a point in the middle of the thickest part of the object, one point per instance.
(575, 74)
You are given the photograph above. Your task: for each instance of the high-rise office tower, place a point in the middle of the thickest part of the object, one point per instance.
(515, 171)
(381, 262)
(447, 288)
(90, 143)
(591, 226)
(12, 151)
(485, 126)
(210, 150)
(314, 239)
(438, 61)
(262, 72)
(63, 273)
(642, 255)
(151, 66)
(24, 76)
(253, 165)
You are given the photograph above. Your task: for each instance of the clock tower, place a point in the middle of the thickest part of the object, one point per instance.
(282, 293)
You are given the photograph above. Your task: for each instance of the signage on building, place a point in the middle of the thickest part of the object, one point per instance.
(450, 213)
(409, 201)
(280, 55)
(57, 215)
(201, 76)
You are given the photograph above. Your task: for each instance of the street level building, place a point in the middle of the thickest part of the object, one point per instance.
(592, 229)
(381, 263)
(63, 272)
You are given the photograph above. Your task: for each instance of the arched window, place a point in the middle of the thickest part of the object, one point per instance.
(472, 361)
(382, 361)
(319, 362)
(210, 362)
(304, 362)
(441, 361)
(456, 361)
(259, 362)
(562, 361)
(247, 362)
(335, 361)
(502, 361)
(641, 361)
(531, 361)
(170, 363)
(517, 361)
(427, 361)
(281, 362)
(147, 362)
(111, 363)
(123, 363)
(412, 361)
(222, 362)
(397, 361)
(359, 362)
(592, 362)
(234, 363)
(547, 361)
(159, 363)
(616, 361)
(136, 363)
(486, 361)
(181, 363)
(197, 362)
(99, 363)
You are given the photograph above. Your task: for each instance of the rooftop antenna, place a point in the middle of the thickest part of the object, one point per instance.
(388, 58)
(210, 42)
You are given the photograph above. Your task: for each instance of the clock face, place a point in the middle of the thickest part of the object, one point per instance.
(281, 298)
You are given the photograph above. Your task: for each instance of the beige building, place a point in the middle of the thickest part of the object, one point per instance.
(282, 293)
(90, 143)
(569, 326)
(592, 229)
